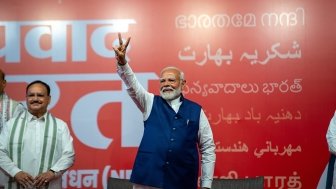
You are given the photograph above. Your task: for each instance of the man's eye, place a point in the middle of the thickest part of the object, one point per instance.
(37, 95)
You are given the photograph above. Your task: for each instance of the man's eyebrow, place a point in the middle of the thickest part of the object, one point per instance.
(35, 93)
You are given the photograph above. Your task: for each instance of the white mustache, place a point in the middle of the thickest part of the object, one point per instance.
(165, 88)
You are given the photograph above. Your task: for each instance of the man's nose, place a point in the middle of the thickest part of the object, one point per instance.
(166, 83)
(35, 97)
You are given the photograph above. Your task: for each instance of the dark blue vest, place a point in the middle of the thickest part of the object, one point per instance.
(330, 173)
(168, 153)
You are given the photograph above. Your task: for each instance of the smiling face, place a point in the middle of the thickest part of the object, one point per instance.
(37, 99)
(171, 83)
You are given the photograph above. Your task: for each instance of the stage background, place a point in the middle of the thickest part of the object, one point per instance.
(264, 72)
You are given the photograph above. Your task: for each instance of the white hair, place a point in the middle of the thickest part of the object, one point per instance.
(181, 73)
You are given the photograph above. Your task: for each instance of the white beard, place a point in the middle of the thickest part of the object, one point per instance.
(170, 95)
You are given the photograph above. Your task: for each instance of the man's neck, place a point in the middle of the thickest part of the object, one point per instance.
(174, 101)
(37, 114)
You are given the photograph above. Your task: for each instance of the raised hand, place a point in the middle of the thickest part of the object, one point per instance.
(120, 51)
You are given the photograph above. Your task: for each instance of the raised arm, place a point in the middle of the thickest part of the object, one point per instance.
(142, 98)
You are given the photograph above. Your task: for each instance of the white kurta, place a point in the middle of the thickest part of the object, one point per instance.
(331, 140)
(33, 142)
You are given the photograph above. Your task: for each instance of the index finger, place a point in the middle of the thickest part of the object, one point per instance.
(120, 39)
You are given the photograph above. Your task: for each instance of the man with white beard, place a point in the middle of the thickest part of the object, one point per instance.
(176, 130)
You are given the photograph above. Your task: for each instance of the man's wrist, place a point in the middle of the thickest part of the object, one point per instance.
(55, 173)
(120, 63)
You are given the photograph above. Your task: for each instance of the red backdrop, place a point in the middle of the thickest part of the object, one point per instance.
(263, 71)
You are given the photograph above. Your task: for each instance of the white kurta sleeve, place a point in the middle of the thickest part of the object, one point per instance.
(331, 135)
(67, 156)
(207, 150)
(5, 162)
(141, 97)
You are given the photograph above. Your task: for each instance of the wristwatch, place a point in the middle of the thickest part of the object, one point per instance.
(55, 173)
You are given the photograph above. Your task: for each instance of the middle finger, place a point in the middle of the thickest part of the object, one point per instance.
(40, 183)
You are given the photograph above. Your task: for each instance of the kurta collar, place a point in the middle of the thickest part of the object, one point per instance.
(176, 101)
(31, 117)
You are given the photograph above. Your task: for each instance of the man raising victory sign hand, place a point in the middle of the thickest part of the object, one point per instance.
(176, 130)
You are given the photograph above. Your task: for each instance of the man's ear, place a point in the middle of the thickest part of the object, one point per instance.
(4, 83)
(49, 99)
(183, 83)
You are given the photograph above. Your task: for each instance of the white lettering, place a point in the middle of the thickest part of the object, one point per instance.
(57, 32)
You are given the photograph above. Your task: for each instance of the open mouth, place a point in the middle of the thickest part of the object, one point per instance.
(167, 90)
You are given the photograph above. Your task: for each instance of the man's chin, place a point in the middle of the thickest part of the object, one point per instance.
(169, 96)
(35, 108)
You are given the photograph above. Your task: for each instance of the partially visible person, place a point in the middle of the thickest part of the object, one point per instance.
(176, 130)
(8, 108)
(331, 140)
(36, 147)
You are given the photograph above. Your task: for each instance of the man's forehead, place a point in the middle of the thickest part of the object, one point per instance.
(169, 73)
(37, 87)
